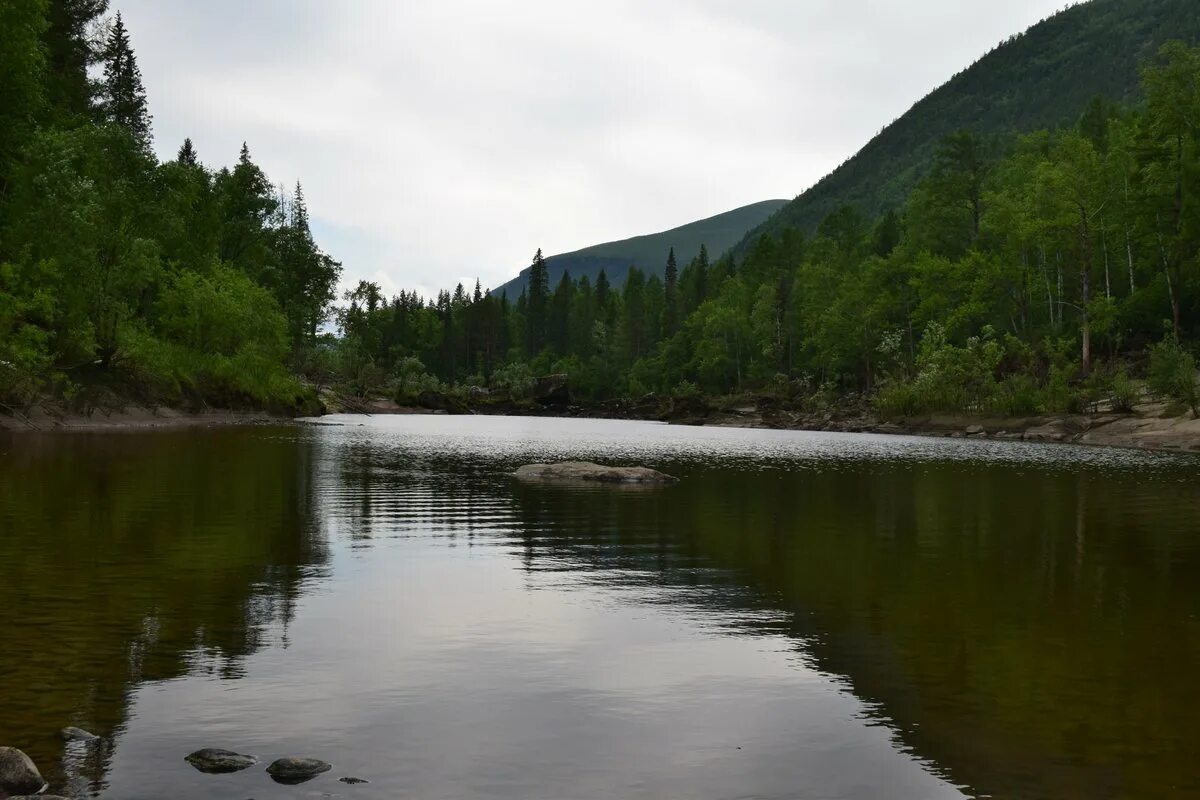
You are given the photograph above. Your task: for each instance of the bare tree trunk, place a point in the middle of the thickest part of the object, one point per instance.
(1162, 252)
(1049, 294)
(1058, 266)
(1085, 287)
(1129, 240)
(1104, 244)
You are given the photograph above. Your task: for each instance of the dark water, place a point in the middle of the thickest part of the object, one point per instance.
(803, 616)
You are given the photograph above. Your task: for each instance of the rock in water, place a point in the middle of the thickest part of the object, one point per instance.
(18, 774)
(216, 761)
(296, 770)
(353, 781)
(586, 471)
(78, 735)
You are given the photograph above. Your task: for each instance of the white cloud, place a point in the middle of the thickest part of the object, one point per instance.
(452, 138)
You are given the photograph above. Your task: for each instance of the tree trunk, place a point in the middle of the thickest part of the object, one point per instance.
(1085, 287)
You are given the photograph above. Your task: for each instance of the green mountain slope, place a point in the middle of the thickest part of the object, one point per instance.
(1042, 78)
(649, 252)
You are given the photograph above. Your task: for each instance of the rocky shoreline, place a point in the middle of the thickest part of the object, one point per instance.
(1149, 426)
(47, 418)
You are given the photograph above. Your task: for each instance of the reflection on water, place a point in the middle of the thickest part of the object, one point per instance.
(804, 615)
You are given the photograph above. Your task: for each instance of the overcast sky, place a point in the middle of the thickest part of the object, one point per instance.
(442, 140)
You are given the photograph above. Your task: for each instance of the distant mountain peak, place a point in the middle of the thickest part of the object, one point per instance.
(649, 252)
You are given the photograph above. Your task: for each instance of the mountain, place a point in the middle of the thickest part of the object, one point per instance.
(649, 252)
(1043, 78)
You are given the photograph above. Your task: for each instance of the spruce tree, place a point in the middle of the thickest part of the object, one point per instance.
(670, 320)
(187, 154)
(124, 96)
(536, 313)
(71, 49)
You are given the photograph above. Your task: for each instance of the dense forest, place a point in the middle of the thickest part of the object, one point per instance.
(123, 277)
(1043, 273)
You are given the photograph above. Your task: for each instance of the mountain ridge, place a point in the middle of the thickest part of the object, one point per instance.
(649, 251)
(1043, 77)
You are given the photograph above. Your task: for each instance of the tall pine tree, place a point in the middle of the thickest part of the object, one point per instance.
(187, 154)
(123, 99)
(537, 303)
(670, 320)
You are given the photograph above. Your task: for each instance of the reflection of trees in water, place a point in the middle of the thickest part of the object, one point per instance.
(130, 558)
(1035, 635)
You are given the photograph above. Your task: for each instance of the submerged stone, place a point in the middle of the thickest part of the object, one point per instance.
(353, 781)
(296, 770)
(78, 735)
(587, 471)
(216, 761)
(18, 774)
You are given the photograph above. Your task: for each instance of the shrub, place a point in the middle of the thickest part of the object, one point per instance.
(1017, 396)
(516, 379)
(1126, 393)
(1173, 374)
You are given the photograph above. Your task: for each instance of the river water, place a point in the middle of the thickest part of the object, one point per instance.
(805, 615)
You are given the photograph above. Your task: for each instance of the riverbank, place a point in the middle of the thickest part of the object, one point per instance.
(1148, 427)
(44, 418)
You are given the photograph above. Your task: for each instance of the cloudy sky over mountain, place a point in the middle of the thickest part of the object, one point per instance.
(443, 140)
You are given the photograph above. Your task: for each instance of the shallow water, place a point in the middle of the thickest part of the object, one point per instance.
(804, 615)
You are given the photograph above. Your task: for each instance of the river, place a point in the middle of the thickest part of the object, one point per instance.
(804, 615)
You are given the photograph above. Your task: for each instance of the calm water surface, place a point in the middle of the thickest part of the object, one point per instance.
(803, 616)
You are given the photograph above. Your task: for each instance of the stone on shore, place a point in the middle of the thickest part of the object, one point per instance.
(296, 770)
(18, 774)
(73, 734)
(586, 471)
(216, 761)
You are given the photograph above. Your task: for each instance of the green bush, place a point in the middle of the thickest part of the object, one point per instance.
(515, 379)
(1173, 374)
(1125, 391)
(1017, 396)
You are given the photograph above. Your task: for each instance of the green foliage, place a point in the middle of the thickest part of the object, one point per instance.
(120, 275)
(1172, 374)
(516, 380)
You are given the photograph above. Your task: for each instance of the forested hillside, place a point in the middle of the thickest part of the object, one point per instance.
(1045, 279)
(123, 277)
(717, 233)
(1042, 78)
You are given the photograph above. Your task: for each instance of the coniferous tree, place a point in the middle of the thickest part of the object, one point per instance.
(248, 203)
(537, 304)
(187, 154)
(23, 67)
(123, 99)
(71, 47)
(670, 320)
(559, 328)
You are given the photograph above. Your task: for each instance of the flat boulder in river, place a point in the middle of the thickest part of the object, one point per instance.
(296, 770)
(216, 761)
(18, 774)
(587, 471)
